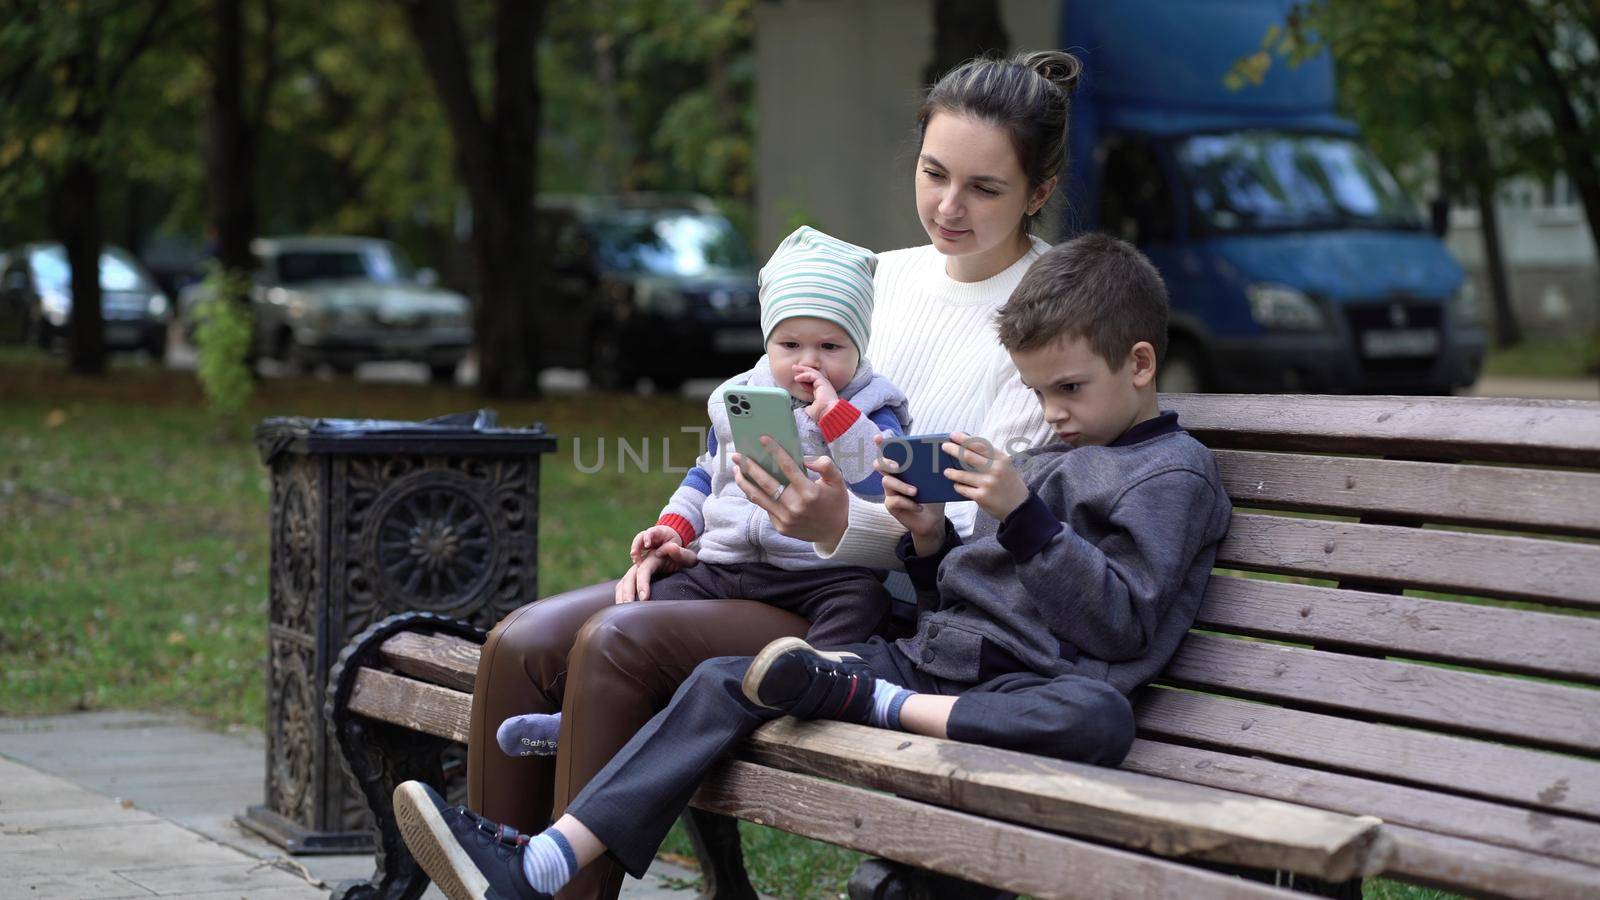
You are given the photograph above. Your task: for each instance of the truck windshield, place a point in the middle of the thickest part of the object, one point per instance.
(649, 242)
(1268, 181)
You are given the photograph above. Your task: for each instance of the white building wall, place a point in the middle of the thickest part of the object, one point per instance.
(1553, 273)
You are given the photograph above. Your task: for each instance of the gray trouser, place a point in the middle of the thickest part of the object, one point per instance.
(632, 802)
(845, 604)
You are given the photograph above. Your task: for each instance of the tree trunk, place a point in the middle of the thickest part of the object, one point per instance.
(231, 148)
(496, 158)
(963, 29)
(1576, 140)
(1507, 333)
(75, 222)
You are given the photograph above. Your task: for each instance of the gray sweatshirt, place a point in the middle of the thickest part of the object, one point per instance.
(1099, 573)
(709, 506)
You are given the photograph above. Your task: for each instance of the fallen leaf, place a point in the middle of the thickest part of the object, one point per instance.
(55, 418)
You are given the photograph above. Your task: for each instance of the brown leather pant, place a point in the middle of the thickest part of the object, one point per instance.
(608, 668)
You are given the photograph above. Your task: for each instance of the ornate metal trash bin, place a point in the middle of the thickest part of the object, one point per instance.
(371, 518)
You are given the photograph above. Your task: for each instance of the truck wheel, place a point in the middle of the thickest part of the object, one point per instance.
(1184, 370)
(442, 373)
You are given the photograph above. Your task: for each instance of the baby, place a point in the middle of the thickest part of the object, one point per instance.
(816, 312)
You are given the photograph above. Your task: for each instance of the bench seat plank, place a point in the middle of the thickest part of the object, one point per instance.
(1484, 870)
(1108, 805)
(1513, 709)
(1006, 856)
(417, 705)
(1166, 818)
(1486, 496)
(1544, 432)
(442, 659)
(1513, 568)
(1550, 644)
(1497, 772)
(1538, 840)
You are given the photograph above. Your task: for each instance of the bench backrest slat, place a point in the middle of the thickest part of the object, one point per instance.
(1490, 771)
(1553, 645)
(1513, 568)
(1512, 709)
(1540, 432)
(1487, 496)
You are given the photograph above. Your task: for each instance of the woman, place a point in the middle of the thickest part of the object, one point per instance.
(992, 144)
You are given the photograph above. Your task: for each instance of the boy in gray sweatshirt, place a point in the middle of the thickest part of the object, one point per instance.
(1083, 573)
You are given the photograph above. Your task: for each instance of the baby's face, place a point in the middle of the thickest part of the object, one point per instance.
(815, 343)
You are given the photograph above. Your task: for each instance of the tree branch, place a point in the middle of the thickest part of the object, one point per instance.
(437, 30)
(144, 40)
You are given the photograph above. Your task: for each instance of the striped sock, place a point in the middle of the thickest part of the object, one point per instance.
(548, 861)
(887, 698)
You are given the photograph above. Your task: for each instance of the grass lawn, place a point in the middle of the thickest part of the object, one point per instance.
(1573, 357)
(133, 545)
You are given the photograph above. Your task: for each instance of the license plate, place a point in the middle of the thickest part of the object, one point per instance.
(740, 340)
(1400, 342)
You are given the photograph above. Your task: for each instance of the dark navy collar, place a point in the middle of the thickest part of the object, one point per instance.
(1164, 423)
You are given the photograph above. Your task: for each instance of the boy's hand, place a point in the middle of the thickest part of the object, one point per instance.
(664, 560)
(986, 475)
(822, 393)
(650, 539)
(925, 521)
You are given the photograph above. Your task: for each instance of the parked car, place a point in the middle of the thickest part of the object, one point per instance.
(36, 299)
(646, 286)
(342, 301)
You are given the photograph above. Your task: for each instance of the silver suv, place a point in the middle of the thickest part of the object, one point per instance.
(348, 300)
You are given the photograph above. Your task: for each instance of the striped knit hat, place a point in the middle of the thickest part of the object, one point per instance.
(812, 274)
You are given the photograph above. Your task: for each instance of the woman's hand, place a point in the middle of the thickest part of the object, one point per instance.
(822, 393)
(806, 510)
(651, 538)
(664, 560)
(986, 475)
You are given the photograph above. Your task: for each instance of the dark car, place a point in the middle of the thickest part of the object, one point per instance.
(36, 299)
(647, 286)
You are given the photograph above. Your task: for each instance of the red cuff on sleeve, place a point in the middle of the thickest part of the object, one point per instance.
(838, 419)
(680, 525)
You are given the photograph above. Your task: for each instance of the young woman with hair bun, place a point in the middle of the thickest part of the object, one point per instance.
(992, 143)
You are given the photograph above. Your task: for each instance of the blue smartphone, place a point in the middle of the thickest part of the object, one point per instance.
(922, 464)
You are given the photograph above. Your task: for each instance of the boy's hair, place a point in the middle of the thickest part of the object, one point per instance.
(1094, 287)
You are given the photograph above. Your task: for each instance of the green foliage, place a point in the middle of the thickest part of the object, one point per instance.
(222, 337)
(1462, 81)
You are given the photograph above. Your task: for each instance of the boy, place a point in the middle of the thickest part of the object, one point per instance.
(1084, 571)
(816, 313)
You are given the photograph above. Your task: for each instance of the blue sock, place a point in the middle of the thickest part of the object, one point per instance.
(548, 861)
(887, 698)
(530, 735)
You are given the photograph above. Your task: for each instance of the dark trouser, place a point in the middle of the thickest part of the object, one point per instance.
(845, 605)
(632, 802)
(611, 668)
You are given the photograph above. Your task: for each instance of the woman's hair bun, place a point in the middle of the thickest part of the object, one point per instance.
(1058, 66)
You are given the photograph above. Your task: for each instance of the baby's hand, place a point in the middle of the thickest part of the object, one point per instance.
(986, 475)
(651, 539)
(822, 393)
(925, 521)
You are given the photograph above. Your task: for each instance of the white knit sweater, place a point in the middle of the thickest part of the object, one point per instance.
(934, 337)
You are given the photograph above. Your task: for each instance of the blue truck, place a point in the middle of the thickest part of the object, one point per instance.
(1294, 260)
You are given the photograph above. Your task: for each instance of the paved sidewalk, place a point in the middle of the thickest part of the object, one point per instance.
(130, 804)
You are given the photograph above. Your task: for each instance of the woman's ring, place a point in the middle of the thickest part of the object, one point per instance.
(778, 493)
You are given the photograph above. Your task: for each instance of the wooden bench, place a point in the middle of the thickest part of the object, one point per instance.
(1425, 651)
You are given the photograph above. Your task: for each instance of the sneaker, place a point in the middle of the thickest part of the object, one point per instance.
(466, 855)
(791, 675)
